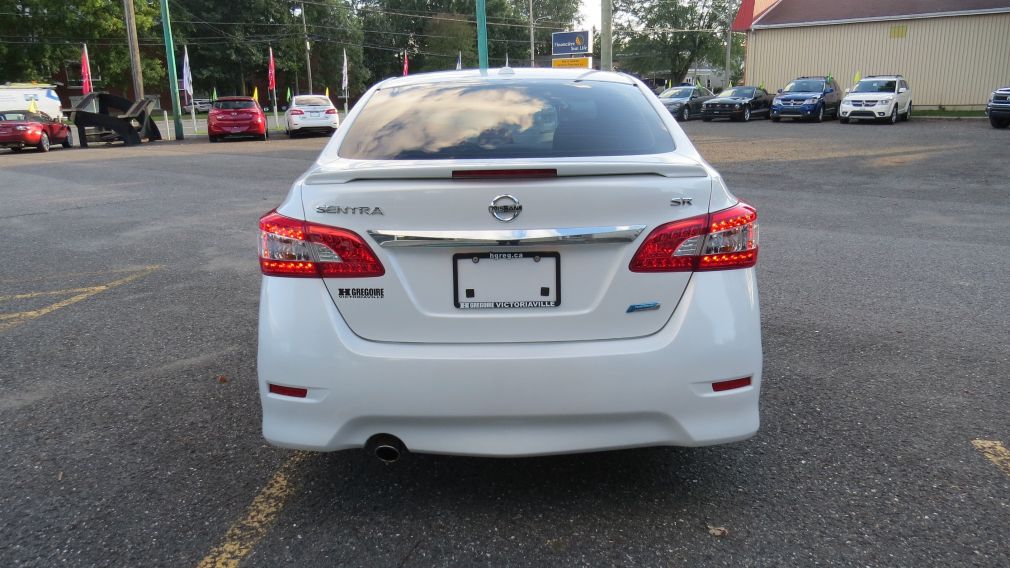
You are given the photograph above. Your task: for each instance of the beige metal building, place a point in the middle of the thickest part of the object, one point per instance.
(952, 52)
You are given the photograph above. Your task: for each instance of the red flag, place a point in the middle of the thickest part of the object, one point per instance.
(404, 61)
(86, 86)
(272, 73)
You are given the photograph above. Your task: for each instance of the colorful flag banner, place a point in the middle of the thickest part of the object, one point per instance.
(289, 94)
(405, 65)
(187, 75)
(343, 76)
(213, 94)
(86, 86)
(33, 106)
(327, 92)
(256, 93)
(506, 59)
(272, 73)
(459, 61)
(857, 78)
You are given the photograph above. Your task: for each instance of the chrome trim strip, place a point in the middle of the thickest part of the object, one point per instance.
(495, 238)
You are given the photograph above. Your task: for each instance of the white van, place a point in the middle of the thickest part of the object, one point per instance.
(18, 96)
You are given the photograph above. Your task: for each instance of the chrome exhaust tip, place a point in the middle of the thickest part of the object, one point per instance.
(386, 447)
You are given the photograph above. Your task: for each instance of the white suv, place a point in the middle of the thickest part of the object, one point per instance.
(878, 97)
(509, 263)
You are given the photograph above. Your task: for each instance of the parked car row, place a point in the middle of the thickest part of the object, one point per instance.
(879, 98)
(243, 116)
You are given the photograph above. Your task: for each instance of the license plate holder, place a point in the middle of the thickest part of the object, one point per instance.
(506, 280)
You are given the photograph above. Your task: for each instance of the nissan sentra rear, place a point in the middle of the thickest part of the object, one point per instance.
(516, 263)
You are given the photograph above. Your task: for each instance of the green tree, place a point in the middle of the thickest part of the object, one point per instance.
(42, 38)
(647, 39)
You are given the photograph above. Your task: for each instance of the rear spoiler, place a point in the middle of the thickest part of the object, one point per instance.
(351, 170)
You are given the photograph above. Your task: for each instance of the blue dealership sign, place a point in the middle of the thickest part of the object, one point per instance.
(570, 43)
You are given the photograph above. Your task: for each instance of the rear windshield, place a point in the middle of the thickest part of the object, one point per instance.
(805, 86)
(14, 115)
(875, 87)
(522, 119)
(312, 101)
(234, 105)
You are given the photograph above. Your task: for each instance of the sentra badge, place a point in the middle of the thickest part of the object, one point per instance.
(341, 210)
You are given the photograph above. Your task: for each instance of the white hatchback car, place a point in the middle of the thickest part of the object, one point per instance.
(877, 97)
(523, 262)
(311, 113)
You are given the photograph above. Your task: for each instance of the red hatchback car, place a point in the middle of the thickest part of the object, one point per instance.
(20, 129)
(236, 116)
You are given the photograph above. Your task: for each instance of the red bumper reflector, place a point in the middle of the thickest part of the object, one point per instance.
(731, 384)
(288, 391)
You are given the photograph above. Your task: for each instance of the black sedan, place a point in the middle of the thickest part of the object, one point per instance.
(738, 104)
(685, 101)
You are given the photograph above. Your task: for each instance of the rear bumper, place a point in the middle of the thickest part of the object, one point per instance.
(512, 399)
(305, 124)
(251, 129)
(20, 140)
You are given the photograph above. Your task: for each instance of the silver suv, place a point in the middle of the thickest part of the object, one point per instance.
(878, 97)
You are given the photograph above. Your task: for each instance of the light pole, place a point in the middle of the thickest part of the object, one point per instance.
(533, 24)
(308, 59)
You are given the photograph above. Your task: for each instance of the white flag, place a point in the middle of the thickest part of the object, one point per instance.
(187, 76)
(459, 61)
(506, 60)
(343, 80)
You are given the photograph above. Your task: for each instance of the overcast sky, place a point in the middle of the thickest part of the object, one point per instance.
(590, 14)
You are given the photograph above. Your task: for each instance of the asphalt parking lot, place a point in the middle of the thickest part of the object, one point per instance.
(129, 418)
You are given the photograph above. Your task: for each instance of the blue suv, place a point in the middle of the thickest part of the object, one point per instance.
(809, 98)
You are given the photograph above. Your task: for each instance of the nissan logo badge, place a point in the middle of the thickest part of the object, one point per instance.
(505, 208)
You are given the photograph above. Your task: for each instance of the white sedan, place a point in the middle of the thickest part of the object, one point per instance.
(311, 113)
(527, 262)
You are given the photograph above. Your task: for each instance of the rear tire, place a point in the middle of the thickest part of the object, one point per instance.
(776, 118)
(706, 119)
(685, 114)
(995, 122)
(212, 138)
(17, 150)
(43, 145)
(843, 120)
(68, 142)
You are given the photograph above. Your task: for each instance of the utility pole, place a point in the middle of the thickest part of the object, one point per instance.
(131, 39)
(607, 38)
(482, 35)
(308, 59)
(173, 79)
(729, 49)
(532, 51)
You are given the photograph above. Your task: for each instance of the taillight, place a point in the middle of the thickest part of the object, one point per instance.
(722, 240)
(331, 111)
(299, 249)
(297, 111)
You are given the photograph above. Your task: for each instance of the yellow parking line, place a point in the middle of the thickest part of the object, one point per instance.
(246, 533)
(10, 321)
(46, 293)
(994, 452)
(64, 275)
